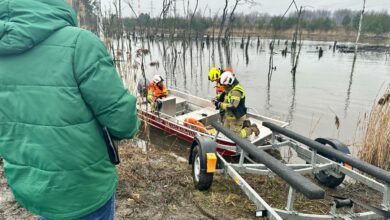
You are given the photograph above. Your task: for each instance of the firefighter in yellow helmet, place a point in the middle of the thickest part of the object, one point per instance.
(214, 75)
(234, 105)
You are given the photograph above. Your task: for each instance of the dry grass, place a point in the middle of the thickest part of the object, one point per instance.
(376, 143)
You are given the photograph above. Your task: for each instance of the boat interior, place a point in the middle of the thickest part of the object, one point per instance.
(179, 106)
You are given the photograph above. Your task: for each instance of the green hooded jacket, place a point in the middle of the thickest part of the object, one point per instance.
(58, 87)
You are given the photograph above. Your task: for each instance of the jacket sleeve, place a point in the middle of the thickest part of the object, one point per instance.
(234, 102)
(102, 89)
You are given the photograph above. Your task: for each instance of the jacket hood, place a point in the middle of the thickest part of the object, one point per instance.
(26, 23)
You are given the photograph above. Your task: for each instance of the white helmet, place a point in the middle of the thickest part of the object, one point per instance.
(227, 78)
(157, 79)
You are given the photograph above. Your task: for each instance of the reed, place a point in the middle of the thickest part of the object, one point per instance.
(376, 143)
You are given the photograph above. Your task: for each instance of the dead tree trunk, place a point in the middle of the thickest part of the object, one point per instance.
(230, 21)
(120, 24)
(164, 12)
(271, 60)
(220, 56)
(246, 50)
(221, 26)
(228, 33)
(297, 32)
(360, 29)
(213, 40)
(354, 60)
(189, 25)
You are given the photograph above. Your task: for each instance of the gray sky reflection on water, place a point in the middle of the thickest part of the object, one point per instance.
(323, 88)
(273, 7)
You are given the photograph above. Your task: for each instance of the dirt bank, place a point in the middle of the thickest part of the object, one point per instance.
(156, 184)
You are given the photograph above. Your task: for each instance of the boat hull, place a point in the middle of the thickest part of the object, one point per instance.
(225, 147)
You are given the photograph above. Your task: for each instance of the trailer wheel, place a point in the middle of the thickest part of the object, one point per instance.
(202, 180)
(329, 180)
(324, 177)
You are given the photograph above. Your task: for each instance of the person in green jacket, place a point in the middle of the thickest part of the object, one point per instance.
(58, 89)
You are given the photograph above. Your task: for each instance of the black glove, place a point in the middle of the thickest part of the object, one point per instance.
(221, 97)
(217, 104)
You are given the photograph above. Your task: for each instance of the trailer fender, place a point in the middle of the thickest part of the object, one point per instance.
(206, 144)
(335, 144)
(203, 160)
(323, 177)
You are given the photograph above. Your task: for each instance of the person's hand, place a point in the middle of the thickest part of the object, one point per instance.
(216, 103)
(162, 96)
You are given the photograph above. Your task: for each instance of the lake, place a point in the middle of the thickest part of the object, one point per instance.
(324, 88)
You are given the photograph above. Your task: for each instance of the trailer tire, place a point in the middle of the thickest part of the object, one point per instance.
(323, 177)
(202, 179)
(329, 180)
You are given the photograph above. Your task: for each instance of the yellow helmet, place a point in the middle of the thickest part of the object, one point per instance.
(214, 74)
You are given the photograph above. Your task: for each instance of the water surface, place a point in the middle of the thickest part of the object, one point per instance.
(323, 88)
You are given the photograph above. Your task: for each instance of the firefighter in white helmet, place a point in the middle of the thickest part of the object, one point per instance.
(234, 105)
(156, 91)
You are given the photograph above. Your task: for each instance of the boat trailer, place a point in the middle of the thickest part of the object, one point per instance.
(328, 160)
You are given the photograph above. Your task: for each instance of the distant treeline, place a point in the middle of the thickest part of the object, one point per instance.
(312, 20)
(373, 22)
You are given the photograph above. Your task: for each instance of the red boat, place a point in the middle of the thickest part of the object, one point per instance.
(179, 106)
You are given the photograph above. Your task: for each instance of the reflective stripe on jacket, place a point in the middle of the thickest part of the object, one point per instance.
(234, 103)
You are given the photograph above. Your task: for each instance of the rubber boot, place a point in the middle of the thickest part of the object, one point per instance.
(246, 124)
(255, 129)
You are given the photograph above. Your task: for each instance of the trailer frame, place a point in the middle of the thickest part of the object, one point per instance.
(315, 162)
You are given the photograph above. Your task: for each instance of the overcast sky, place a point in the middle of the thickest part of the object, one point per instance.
(273, 7)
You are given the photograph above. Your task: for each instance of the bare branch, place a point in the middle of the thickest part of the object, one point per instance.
(131, 8)
(196, 7)
(224, 13)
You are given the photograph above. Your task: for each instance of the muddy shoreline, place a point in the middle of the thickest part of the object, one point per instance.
(157, 184)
